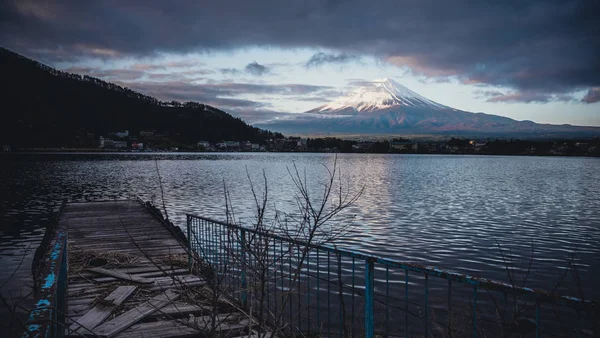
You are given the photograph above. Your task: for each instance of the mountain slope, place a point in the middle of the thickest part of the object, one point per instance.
(379, 94)
(45, 107)
(386, 107)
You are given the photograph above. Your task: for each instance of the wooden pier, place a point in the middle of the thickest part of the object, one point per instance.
(128, 276)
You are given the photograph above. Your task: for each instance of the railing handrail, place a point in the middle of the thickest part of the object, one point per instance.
(540, 294)
(46, 318)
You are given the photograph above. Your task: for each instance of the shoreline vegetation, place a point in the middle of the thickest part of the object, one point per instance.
(71, 113)
(454, 146)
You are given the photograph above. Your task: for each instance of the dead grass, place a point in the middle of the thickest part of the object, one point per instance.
(80, 260)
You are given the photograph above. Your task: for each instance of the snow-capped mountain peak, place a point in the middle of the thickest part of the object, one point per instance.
(380, 94)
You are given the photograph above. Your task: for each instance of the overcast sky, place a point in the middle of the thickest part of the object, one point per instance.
(528, 60)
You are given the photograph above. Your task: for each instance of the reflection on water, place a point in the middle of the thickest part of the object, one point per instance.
(447, 211)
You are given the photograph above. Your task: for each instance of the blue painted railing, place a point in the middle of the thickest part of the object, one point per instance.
(48, 315)
(334, 292)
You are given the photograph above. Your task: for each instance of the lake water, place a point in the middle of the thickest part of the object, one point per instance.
(447, 211)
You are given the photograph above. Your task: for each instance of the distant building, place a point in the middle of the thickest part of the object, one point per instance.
(430, 147)
(363, 146)
(302, 143)
(479, 145)
(403, 145)
(232, 144)
(582, 146)
(147, 133)
(107, 143)
(120, 144)
(121, 134)
(278, 144)
(246, 145)
(229, 145)
(290, 144)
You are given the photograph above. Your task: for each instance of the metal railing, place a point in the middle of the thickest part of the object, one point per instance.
(47, 318)
(323, 290)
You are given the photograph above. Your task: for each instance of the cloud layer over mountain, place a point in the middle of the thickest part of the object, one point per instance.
(536, 47)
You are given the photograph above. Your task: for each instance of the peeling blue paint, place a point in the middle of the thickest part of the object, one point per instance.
(43, 303)
(49, 280)
(43, 320)
(33, 327)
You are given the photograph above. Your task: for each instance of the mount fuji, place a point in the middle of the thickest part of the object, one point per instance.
(378, 95)
(387, 107)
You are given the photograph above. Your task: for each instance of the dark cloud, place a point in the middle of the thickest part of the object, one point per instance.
(108, 74)
(187, 88)
(524, 97)
(181, 91)
(592, 96)
(428, 80)
(488, 93)
(227, 95)
(257, 69)
(549, 47)
(147, 67)
(139, 72)
(172, 66)
(253, 68)
(230, 88)
(219, 95)
(229, 71)
(320, 59)
(319, 99)
(260, 115)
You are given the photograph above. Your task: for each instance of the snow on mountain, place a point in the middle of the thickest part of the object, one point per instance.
(379, 94)
(387, 107)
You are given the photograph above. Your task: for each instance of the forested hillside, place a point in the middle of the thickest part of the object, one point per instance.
(45, 107)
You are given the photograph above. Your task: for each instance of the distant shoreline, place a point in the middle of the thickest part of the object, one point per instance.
(84, 151)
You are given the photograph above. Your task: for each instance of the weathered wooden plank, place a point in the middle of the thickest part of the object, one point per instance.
(78, 310)
(88, 291)
(170, 286)
(118, 296)
(98, 219)
(128, 240)
(121, 275)
(171, 328)
(89, 223)
(178, 309)
(132, 270)
(132, 226)
(122, 322)
(152, 253)
(80, 301)
(103, 204)
(141, 251)
(169, 272)
(167, 280)
(102, 310)
(121, 230)
(255, 334)
(86, 283)
(142, 236)
(133, 245)
(225, 323)
(129, 245)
